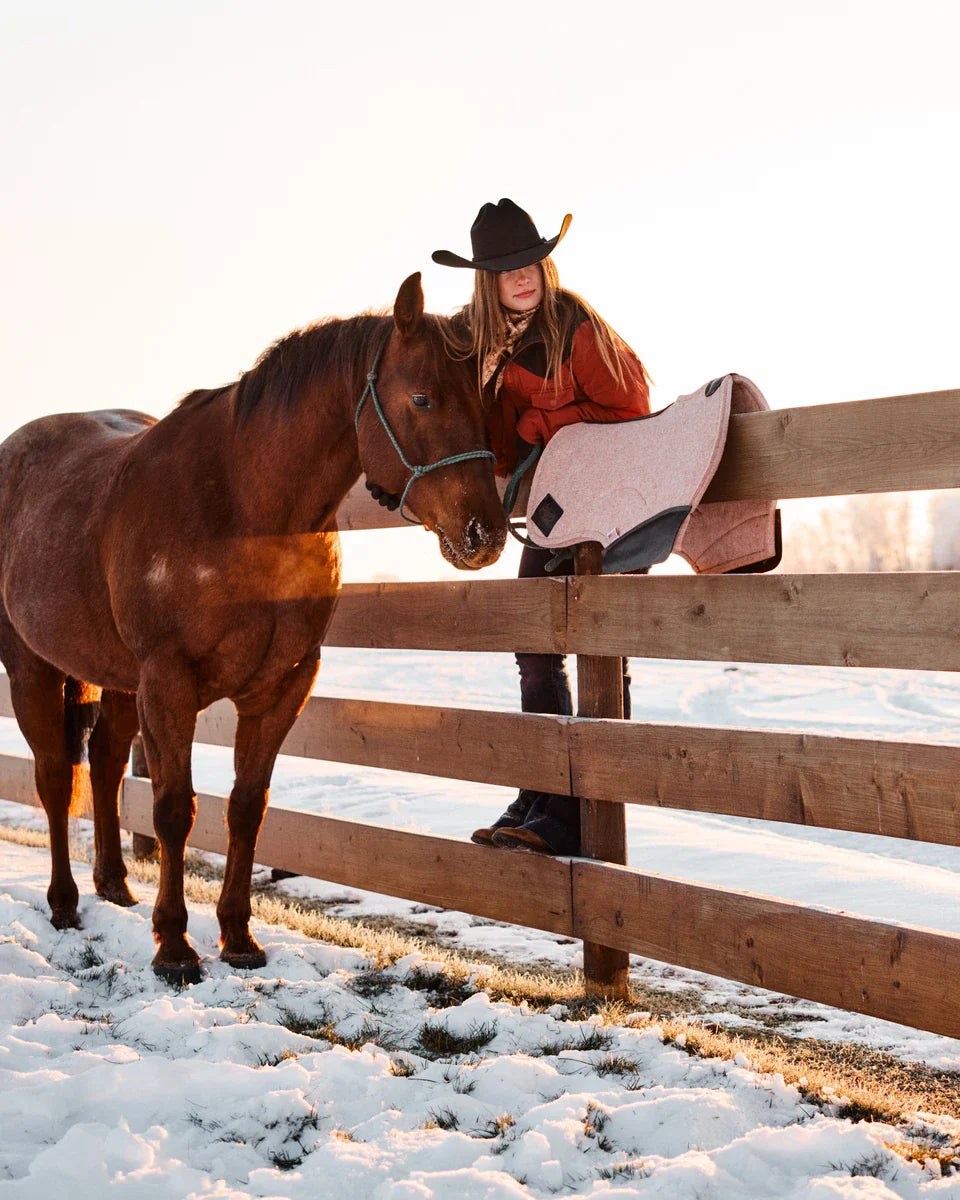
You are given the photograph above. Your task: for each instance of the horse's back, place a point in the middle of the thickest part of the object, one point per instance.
(84, 448)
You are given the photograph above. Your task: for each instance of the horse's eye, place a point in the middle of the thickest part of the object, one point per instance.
(420, 400)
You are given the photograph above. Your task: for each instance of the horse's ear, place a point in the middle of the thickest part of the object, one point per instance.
(408, 307)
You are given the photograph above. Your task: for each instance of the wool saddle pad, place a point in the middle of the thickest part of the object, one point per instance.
(635, 487)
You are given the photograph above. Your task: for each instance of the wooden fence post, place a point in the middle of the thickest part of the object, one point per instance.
(144, 846)
(603, 825)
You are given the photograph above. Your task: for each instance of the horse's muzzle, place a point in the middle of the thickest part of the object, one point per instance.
(478, 544)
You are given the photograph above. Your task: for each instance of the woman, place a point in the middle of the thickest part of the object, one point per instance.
(545, 359)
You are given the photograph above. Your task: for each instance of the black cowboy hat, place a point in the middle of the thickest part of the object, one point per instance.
(503, 238)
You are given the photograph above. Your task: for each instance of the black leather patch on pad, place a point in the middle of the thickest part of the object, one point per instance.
(547, 513)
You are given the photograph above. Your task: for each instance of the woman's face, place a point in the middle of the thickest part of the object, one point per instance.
(522, 289)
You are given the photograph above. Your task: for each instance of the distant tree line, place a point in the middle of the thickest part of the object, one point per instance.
(887, 532)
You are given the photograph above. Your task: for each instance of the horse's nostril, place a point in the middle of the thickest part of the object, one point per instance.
(475, 535)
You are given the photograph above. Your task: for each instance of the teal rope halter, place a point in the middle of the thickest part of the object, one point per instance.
(510, 495)
(416, 472)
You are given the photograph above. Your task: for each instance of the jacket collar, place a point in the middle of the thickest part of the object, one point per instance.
(534, 334)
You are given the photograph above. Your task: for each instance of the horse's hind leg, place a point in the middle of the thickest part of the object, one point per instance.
(258, 741)
(37, 692)
(110, 741)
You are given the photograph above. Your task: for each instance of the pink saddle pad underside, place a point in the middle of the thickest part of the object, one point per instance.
(728, 534)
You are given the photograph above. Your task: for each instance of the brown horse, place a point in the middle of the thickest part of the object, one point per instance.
(159, 566)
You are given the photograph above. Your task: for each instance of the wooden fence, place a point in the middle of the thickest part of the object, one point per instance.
(892, 971)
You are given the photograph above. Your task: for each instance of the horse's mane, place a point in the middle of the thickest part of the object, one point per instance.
(336, 349)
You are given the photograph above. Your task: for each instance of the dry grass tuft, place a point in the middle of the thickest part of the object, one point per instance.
(437, 1041)
(861, 1083)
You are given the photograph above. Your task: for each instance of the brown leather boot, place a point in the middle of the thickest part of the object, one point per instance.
(521, 839)
(514, 815)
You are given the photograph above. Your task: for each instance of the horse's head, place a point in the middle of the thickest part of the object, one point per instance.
(429, 403)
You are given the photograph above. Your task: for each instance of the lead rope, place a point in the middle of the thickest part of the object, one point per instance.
(510, 496)
(416, 472)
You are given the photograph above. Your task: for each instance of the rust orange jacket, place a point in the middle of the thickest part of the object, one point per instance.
(533, 409)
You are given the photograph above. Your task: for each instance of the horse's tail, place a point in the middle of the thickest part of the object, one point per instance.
(81, 707)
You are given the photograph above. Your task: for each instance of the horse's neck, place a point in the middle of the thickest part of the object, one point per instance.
(292, 470)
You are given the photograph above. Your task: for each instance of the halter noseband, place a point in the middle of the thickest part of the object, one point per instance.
(415, 471)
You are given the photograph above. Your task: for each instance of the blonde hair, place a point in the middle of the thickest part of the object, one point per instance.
(486, 328)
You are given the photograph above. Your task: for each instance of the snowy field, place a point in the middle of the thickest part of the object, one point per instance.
(114, 1085)
(111, 1084)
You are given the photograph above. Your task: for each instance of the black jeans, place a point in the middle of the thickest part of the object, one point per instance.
(545, 688)
(544, 683)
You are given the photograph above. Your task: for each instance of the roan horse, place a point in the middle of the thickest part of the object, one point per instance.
(159, 566)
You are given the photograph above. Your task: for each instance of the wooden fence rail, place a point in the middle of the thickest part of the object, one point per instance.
(907, 619)
(893, 444)
(895, 972)
(894, 789)
(903, 789)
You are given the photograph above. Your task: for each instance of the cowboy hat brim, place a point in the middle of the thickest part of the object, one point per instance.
(504, 262)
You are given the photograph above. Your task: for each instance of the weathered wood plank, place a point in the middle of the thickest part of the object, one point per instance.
(893, 444)
(895, 972)
(511, 749)
(145, 846)
(889, 971)
(16, 779)
(493, 614)
(890, 444)
(525, 889)
(358, 509)
(908, 619)
(603, 827)
(897, 789)
(904, 619)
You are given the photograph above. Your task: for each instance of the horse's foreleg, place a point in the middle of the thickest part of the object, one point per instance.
(167, 706)
(259, 737)
(110, 742)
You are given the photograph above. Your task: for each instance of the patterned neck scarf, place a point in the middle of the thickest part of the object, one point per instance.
(516, 326)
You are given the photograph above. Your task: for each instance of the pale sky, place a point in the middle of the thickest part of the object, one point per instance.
(755, 186)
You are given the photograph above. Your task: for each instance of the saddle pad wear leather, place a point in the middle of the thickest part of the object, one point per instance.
(730, 535)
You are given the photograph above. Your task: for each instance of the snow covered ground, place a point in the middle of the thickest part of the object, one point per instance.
(114, 1085)
(123, 1087)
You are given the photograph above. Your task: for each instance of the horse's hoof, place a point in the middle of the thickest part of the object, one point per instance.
(178, 974)
(64, 918)
(116, 893)
(250, 960)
